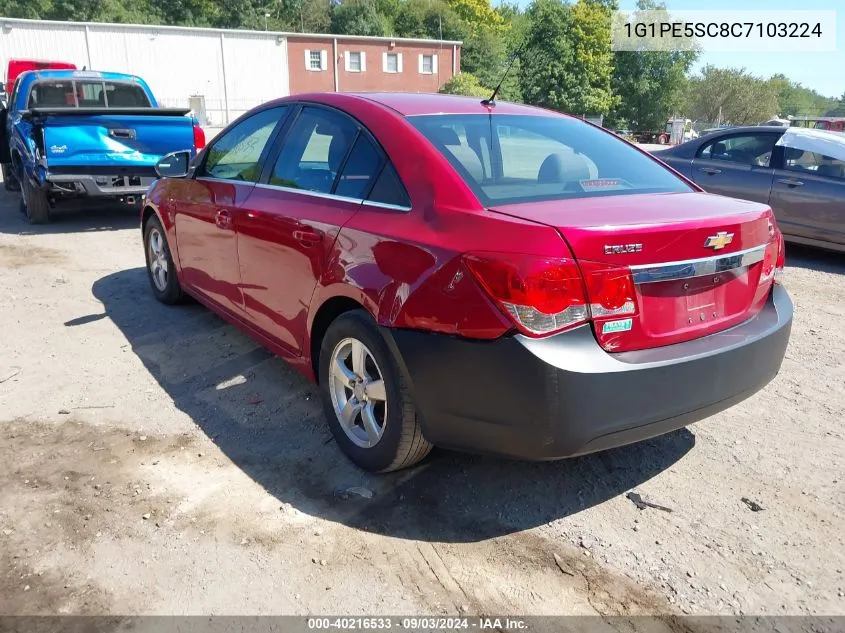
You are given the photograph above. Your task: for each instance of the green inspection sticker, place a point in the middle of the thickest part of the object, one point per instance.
(623, 325)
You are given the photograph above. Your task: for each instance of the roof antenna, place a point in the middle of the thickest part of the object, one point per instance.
(491, 102)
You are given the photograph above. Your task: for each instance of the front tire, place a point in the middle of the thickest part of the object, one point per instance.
(34, 203)
(368, 405)
(161, 271)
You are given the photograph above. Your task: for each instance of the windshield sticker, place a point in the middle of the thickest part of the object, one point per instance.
(603, 184)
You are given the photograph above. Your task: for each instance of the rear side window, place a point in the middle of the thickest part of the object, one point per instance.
(236, 154)
(314, 151)
(360, 169)
(389, 189)
(510, 159)
(813, 163)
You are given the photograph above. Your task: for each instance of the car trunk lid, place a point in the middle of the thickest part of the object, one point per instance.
(699, 263)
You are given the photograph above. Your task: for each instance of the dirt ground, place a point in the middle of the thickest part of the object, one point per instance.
(153, 460)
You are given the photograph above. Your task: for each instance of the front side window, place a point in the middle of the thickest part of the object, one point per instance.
(236, 155)
(314, 150)
(745, 149)
(509, 159)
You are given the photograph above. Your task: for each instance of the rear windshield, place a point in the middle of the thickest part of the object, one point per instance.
(508, 159)
(87, 94)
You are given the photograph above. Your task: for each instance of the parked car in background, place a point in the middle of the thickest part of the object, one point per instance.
(502, 279)
(799, 172)
(73, 134)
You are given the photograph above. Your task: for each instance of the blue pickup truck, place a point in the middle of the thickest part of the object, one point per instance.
(86, 136)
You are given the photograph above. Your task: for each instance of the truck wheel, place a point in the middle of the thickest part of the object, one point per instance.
(160, 268)
(368, 405)
(34, 203)
(10, 183)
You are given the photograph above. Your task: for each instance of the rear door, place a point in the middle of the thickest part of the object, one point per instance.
(290, 222)
(808, 196)
(206, 207)
(736, 165)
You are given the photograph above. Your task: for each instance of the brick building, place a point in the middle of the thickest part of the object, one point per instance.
(221, 73)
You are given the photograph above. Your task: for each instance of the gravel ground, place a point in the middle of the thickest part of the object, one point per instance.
(153, 460)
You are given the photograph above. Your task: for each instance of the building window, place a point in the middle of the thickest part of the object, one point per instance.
(356, 61)
(316, 60)
(428, 64)
(392, 62)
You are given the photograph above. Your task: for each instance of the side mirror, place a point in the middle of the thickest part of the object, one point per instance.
(174, 165)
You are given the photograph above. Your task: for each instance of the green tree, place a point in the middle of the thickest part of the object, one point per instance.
(566, 61)
(649, 84)
(358, 17)
(838, 108)
(741, 97)
(465, 84)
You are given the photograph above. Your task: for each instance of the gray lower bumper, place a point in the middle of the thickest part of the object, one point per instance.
(564, 395)
(113, 186)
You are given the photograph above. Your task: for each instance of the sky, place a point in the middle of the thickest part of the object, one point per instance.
(823, 72)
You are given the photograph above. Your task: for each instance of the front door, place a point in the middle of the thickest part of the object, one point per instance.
(287, 232)
(206, 214)
(737, 165)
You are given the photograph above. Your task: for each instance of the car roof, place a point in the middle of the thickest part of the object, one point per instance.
(417, 103)
(82, 74)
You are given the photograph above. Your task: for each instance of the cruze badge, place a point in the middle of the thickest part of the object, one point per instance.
(719, 241)
(616, 249)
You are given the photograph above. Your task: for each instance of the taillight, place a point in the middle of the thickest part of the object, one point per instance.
(541, 295)
(610, 289)
(781, 259)
(544, 295)
(199, 138)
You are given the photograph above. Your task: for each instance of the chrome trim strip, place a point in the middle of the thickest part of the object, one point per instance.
(385, 205)
(308, 192)
(652, 273)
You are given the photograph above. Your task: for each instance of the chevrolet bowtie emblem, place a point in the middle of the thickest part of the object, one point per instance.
(719, 241)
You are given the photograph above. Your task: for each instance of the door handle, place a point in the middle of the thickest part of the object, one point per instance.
(122, 133)
(790, 182)
(308, 238)
(223, 219)
(711, 170)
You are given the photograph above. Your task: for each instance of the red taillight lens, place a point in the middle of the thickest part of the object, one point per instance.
(610, 289)
(781, 259)
(541, 295)
(199, 138)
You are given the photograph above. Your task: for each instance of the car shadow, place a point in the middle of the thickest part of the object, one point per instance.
(72, 219)
(815, 259)
(269, 422)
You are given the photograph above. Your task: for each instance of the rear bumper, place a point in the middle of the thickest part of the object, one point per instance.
(106, 185)
(564, 396)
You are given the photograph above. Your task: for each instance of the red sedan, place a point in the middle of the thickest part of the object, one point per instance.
(494, 278)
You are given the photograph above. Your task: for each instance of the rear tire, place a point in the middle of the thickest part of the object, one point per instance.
(34, 203)
(10, 183)
(395, 441)
(161, 271)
